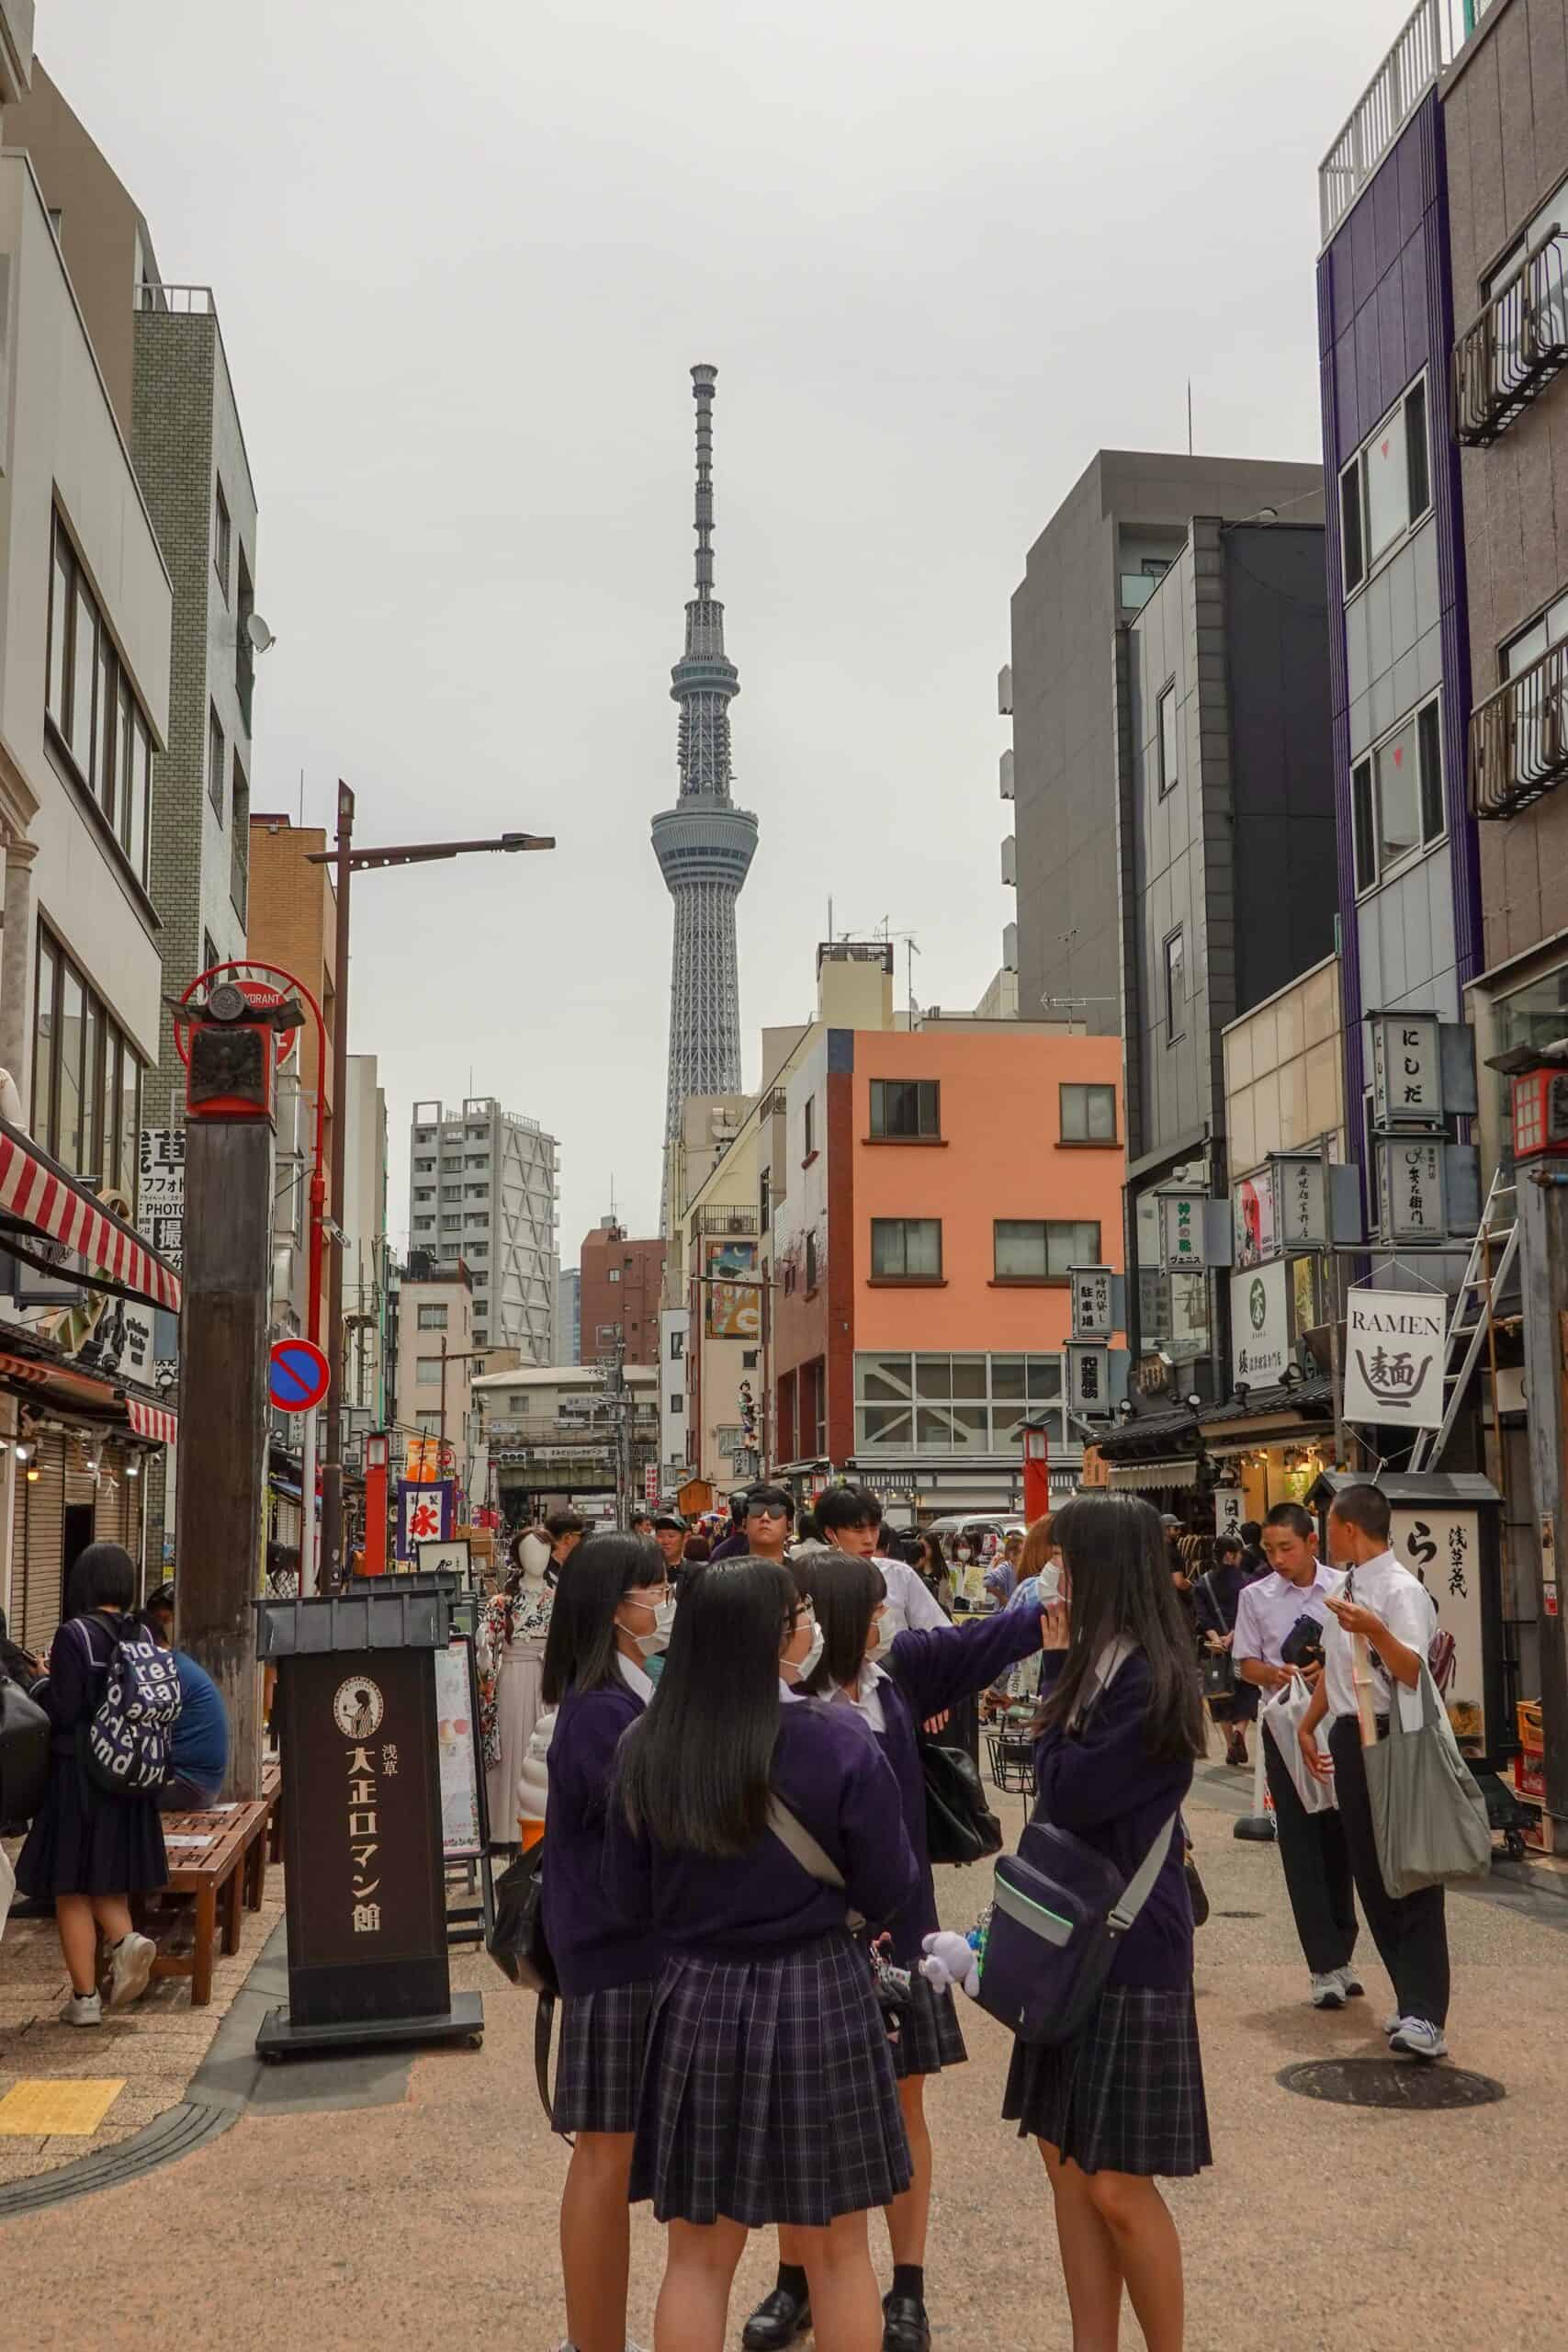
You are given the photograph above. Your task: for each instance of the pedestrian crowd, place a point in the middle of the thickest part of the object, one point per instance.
(737, 1766)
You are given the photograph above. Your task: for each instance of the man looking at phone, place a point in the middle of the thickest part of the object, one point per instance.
(1269, 1621)
(1393, 1614)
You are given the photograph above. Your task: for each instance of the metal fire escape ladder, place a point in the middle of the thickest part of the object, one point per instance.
(1474, 1310)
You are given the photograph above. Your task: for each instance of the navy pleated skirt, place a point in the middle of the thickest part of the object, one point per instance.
(603, 2038)
(84, 1841)
(768, 2094)
(929, 2036)
(1125, 2094)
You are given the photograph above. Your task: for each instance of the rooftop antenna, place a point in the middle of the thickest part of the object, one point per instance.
(301, 799)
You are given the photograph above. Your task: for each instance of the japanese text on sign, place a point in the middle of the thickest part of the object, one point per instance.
(1406, 1069)
(161, 1193)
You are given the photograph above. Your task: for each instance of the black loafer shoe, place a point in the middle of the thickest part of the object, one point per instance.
(905, 2328)
(778, 2319)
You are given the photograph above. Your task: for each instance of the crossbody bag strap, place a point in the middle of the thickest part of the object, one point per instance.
(797, 1841)
(1141, 1885)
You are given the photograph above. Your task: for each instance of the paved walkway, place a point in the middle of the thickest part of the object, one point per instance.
(430, 2219)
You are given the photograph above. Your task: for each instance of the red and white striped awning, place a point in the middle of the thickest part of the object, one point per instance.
(37, 1193)
(156, 1421)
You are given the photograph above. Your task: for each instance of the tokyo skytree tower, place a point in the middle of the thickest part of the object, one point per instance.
(704, 844)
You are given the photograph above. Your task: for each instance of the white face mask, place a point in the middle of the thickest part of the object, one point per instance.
(651, 1644)
(801, 1670)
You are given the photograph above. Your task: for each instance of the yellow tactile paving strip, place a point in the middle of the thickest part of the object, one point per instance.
(50, 2103)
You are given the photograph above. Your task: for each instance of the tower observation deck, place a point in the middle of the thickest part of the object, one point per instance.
(704, 844)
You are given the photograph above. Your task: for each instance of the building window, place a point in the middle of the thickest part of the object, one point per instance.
(91, 708)
(811, 1262)
(1527, 647)
(810, 1125)
(615, 1274)
(1398, 796)
(903, 1250)
(677, 1346)
(1088, 1114)
(86, 1077)
(222, 538)
(1168, 770)
(1041, 1250)
(432, 1319)
(427, 1373)
(1386, 487)
(909, 1108)
(240, 842)
(678, 1402)
(954, 1404)
(1174, 986)
(424, 1225)
(215, 759)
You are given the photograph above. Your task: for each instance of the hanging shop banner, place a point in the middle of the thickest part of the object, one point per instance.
(426, 1511)
(1394, 1357)
(1443, 1548)
(1260, 1324)
(1300, 1220)
(457, 1754)
(161, 1193)
(1089, 1378)
(1093, 1298)
(1230, 1509)
(1254, 1219)
(733, 1296)
(1407, 1070)
(1410, 1188)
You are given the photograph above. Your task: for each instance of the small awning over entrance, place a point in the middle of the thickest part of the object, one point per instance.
(38, 1197)
(156, 1421)
(1153, 1478)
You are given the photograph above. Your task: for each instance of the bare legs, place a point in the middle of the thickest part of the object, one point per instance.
(1115, 2229)
(595, 2240)
(78, 1919)
(908, 2214)
(693, 2301)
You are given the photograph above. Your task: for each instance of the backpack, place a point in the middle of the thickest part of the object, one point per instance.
(126, 1745)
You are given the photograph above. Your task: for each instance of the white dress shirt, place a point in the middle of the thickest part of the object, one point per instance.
(909, 1601)
(640, 1684)
(1265, 1611)
(864, 1698)
(1387, 1587)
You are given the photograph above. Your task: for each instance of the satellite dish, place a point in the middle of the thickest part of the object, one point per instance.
(257, 629)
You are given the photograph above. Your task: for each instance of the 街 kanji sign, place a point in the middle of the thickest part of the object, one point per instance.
(1394, 1357)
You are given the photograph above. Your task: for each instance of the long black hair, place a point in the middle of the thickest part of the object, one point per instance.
(579, 1648)
(845, 1591)
(693, 1771)
(1118, 1579)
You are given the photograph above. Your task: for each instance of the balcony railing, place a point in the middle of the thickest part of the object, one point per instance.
(186, 299)
(1385, 106)
(723, 1220)
(1518, 738)
(1507, 357)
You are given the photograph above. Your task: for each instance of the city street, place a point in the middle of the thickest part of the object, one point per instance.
(427, 2214)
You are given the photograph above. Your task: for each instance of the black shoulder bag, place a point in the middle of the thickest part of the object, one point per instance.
(520, 1950)
(960, 1826)
(1217, 1667)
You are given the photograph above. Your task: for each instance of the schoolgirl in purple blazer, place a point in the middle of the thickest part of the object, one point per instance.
(768, 2093)
(612, 1611)
(1120, 1724)
(894, 1691)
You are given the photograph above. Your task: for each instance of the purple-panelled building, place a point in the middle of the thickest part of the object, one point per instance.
(1399, 661)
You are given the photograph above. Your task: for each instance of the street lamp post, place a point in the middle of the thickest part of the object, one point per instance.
(346, 861)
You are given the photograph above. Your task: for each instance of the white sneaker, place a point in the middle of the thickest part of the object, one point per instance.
(131, 1967)
(1328, 1991)
(1414, 2038)
(1350, 1983)
(82, 2008)
(1390, 2026)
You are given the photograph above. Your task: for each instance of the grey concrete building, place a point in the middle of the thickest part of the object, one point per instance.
(1225, 861)
(482, 1185)
(1096, 563)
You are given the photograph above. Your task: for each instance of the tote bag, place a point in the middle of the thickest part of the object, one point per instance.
(1429, 1817)
(1281, 1719)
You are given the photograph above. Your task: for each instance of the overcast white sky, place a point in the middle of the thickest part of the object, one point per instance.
(464, 255)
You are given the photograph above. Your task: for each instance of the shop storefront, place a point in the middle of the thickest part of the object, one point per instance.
(1269, 1449)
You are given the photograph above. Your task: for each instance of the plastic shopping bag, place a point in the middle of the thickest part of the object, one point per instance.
(1281, 1717)
(7, 1888)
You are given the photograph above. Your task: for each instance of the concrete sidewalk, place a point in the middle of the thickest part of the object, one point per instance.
(431, 2219)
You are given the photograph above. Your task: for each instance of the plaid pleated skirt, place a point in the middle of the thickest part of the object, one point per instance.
(768, 2093)
(1126, 2095)
(929, 2036)
(603, 2037)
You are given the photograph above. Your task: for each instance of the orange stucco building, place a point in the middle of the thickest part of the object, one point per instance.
(938, 1183)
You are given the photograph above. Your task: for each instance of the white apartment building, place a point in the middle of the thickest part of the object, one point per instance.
(436, 1366)
(482, 1187)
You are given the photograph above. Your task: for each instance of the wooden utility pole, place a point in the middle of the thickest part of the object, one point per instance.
(225, 1332)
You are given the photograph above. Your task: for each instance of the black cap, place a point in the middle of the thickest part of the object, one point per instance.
(670, 1519)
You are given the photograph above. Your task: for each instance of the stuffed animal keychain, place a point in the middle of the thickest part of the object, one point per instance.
(952, 1959)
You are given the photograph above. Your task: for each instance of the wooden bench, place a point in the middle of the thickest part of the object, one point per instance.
(220, 1858)
(272, 1793)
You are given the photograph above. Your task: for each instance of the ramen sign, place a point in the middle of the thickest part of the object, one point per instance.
(1394, 1357)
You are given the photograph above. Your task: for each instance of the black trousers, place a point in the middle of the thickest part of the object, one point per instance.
(1410, 1934)
(1317, 1868)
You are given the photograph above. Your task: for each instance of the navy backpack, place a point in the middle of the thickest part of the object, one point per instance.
(126, 1746)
